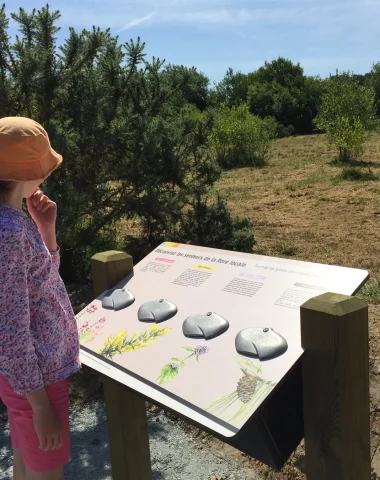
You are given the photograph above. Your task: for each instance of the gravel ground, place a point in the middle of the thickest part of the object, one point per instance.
(174, 455)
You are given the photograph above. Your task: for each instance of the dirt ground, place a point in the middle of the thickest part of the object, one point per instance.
(304, 206)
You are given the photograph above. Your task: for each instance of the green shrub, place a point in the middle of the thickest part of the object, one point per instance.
(241, 139)
(350, 138)
(346, 114)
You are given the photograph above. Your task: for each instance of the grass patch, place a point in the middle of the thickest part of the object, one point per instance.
(370, 292)
(305, 182)
(354, 174)
(311, 180)
(286, 247)
(291, 186)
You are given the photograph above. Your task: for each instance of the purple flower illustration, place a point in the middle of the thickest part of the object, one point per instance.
(201, 350)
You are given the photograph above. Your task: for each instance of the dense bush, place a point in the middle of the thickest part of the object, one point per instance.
(281, 90)
(347, 114)
(132, 154)
(284, 132)
(240, 138)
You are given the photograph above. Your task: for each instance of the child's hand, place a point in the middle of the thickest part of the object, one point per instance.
(42, 210)
(48, 428)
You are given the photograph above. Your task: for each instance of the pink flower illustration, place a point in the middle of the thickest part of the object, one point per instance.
(92, 309)
(102, 320)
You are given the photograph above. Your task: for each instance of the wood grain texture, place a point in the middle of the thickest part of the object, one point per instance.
(108, 268)
(126, 412)
(334, 331)
(128, 433)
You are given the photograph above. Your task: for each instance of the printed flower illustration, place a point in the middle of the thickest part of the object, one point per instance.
(90, 329)
(123, 343)
(92, 309)
(172, 368)
(200, 350)
(250, 392)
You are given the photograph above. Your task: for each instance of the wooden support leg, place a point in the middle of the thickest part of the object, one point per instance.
(126, 412)
(334, 331)
(128, 433)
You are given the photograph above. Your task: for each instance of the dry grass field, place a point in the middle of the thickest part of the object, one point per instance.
(304, 206)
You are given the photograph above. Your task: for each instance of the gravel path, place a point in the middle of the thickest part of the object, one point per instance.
(174, 455)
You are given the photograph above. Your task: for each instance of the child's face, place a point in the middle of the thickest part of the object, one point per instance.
(31, 187)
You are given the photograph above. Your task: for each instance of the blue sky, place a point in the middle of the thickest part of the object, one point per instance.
(322, 35)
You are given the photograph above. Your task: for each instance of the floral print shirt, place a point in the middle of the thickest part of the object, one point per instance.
(39, 342)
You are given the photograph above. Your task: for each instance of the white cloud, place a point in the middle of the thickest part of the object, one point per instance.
(137, 21)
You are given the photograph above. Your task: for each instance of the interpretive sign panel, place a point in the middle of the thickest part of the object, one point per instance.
(207, 333)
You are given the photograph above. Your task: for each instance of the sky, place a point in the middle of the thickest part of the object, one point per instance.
(213, 35)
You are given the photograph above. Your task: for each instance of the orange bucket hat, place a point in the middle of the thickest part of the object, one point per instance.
(25, 151)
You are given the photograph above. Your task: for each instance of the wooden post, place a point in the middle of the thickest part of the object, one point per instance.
(126, 412)
(334, 331)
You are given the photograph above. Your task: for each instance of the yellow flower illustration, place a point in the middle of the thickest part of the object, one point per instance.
(121, 343)
(164, 331)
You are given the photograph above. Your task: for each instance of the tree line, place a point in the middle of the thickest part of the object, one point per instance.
(279, 89)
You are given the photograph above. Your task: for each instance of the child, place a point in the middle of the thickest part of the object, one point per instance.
(39, 346)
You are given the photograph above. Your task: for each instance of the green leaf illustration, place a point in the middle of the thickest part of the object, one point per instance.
(85, 337)
(189, 349)
(167, 374)
(180, 362)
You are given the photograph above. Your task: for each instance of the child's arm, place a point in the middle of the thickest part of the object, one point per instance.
(50, 239)
(47, 426)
